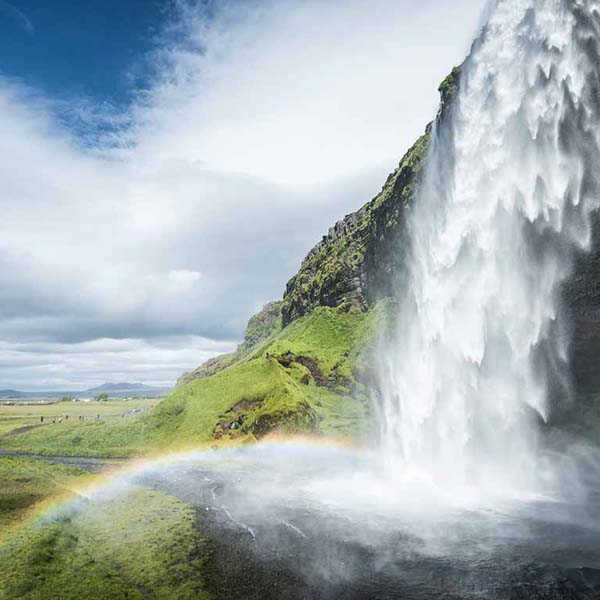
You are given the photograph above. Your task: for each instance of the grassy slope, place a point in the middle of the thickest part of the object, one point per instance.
(282, 396)
(141, 545)
(261, 327)
(305, 379)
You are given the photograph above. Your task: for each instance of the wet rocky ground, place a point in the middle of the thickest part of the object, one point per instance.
(298, 550)
(274, 535)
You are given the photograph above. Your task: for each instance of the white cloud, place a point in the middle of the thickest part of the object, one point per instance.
(234, 164)
(307, 91)
(45, 366)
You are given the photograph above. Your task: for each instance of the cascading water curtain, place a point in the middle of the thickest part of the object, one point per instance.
(511, 179)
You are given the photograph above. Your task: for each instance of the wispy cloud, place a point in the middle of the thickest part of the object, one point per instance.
(11, 11)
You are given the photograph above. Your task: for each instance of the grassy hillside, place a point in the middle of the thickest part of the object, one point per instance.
(309, 378)
(261, 327)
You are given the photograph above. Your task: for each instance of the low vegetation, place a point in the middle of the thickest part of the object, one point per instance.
(261, 327)
(143, 544)
(26, 483)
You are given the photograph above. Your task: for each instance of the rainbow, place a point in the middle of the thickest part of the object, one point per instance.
(94, 486)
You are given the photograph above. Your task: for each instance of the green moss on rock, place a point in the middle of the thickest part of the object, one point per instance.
(362, 258)
(449, 87)
(352, 266)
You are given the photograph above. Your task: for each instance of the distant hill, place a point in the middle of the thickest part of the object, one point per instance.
(12, 394)
(114, 390)
(125, 390)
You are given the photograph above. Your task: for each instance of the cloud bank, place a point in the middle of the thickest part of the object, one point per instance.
(142, 254)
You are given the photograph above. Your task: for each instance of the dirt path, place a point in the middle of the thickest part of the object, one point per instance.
(24, 429)
(85, 463)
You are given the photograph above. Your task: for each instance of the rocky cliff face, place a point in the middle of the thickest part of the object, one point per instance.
(581, 294)
(353, 264)
(362, 255)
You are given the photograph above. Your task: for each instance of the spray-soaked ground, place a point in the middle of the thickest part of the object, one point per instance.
(294, 521)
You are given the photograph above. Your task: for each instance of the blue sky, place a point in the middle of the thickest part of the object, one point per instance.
(93, 48)
(164, 168)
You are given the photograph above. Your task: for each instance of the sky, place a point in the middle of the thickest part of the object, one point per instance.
(165, 165)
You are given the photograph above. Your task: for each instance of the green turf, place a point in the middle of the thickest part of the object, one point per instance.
(143, 544)
(120, 438)
(24, 483)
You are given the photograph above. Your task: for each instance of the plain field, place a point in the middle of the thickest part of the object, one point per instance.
(23, 414)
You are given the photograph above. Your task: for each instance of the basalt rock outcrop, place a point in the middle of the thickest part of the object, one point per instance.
(358, 260)
(362, 258)
(581, 295)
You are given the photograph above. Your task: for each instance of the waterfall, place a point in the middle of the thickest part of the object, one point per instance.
(505, 200)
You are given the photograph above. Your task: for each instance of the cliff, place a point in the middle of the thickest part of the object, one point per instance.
(358, 263)
(362, 255)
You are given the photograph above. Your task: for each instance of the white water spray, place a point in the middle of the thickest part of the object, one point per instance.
(510, 182)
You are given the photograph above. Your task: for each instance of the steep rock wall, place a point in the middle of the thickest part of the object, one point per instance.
(362, 257)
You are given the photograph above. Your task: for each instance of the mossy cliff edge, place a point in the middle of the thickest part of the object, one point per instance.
(306, 363)
(362, 258)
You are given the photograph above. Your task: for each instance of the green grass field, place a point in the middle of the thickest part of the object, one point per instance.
(141, 544)
(138, 544)
(24, 483)
(23, 414)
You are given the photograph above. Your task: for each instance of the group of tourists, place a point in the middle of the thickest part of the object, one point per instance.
(59, 420)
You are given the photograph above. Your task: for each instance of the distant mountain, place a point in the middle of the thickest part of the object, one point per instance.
(114, 390)
(12, 394)
(121, 387)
